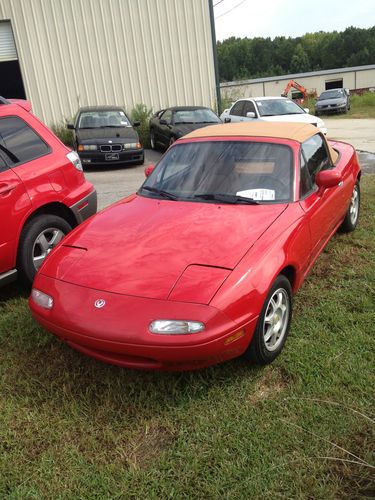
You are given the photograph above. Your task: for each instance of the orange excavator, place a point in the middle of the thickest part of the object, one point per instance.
(297, 86)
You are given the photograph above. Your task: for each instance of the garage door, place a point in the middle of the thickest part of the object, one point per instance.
(7, 46)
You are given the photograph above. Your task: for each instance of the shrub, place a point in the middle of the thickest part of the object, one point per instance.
(65, 135)
(141, 113)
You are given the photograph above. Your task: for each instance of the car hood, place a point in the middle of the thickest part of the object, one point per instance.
(142, 246)
(184, 128)
(106, 134)
(300, 118)
(329, 102)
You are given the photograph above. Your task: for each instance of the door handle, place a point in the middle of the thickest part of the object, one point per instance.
(341, 183)
(6, 188)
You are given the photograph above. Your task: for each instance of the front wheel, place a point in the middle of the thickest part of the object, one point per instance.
(273, 324)
(351, 218)
(39, 236)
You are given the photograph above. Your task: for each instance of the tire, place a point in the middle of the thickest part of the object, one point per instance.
(273, 324)
(38, 237)
(152, 139)
(141, 161)
(352, 215)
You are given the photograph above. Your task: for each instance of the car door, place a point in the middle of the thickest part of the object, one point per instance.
(248, 107)
(235, 113)
(14, 201)
(320, 206)
(165, 121)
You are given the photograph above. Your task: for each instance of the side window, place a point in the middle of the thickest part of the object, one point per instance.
(316, 155)
(305, 185)
(237, 108)
(167, 116)
(3, 165)
(20, 141)
(248, 108)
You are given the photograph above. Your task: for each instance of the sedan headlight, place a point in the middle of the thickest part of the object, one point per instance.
(133, 145)
(87, 147)
(175, 327)
(42, 299)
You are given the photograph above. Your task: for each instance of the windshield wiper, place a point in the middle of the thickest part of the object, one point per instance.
(10, 155)
(111, 126)
(184, 123)
(225, 198)
(162, 193)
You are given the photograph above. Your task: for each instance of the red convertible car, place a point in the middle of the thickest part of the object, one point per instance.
(200, 265)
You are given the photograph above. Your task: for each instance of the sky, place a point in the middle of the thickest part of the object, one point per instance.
(271, 18)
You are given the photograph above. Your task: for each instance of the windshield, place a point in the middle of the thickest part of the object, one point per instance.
(332, 94)
(107, 118)
(274, 107)
(195, 116)
(223, 171)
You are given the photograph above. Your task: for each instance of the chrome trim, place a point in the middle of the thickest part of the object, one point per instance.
(8, 277)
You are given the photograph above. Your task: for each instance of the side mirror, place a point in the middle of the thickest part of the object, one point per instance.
(306, 110)
(328, 178)
(149, 170)
(163, 122)
(227, 119)
(70, 126)
(250, 114)
(136, 123)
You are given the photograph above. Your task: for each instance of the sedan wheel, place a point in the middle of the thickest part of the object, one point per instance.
(273, 323)
(39, 236)
(351, 218)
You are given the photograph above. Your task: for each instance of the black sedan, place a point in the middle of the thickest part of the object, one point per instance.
(170, 124)
(104, 136)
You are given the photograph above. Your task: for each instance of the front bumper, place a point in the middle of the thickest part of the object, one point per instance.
(86, 207)
(97, 158)
(118, 333)
(331, 109)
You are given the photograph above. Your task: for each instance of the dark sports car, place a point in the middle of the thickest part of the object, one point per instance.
(170, 124)
(104, 136)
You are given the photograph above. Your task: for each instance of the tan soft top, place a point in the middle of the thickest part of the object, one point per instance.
(280, 130)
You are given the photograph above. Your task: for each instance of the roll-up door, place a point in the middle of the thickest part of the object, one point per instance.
(8, 50)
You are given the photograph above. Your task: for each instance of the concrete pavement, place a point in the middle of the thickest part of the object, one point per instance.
(358, 132)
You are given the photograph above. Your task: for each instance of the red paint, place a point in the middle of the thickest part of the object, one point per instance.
(33, 185)
(157, 259)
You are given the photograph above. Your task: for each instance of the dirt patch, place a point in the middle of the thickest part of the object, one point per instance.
(357, 481)
(272, 382)
(147, 446)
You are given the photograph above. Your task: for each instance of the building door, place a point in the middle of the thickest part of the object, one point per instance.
(334, 84)
(11, 84)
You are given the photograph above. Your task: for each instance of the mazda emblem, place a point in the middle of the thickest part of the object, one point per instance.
(99, 303)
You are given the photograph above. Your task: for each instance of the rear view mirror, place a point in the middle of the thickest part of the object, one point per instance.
(70, 126)
(306, 110)
(136, 123)
(328, 179)
(148, 170)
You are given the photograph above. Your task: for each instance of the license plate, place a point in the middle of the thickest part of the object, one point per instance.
(111, 156)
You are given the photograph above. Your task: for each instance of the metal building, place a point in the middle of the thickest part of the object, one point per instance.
(63, 54)
(359, 78)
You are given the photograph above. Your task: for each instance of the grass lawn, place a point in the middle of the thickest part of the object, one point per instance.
(303, 427)
(361, 106)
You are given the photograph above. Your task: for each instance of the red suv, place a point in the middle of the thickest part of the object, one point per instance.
(43, 191)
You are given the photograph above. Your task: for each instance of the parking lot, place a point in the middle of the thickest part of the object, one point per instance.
(114, 184)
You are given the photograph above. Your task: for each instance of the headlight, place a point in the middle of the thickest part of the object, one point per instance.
(87, 147)
(175, 327)
(75, 159)
(133, 145)
(42, 299)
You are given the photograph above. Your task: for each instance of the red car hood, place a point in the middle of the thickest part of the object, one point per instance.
(141, 246)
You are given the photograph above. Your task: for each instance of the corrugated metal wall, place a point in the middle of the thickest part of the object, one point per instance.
(86, 52)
